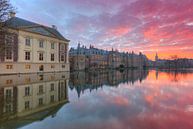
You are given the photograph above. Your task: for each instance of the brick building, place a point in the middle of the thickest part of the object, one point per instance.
(93, 58)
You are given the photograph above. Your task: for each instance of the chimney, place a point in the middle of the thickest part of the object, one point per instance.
(12, 14)
(54, 27)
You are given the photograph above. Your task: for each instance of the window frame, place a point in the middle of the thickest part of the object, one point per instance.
(41, 43)
(27, 55)
(52, 57)
(41, 56)
(52, 45)
(27, 41)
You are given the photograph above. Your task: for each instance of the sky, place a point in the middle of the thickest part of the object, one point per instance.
(147, 26)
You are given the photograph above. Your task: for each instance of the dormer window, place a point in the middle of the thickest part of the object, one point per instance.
(27, 41)
(41, 44)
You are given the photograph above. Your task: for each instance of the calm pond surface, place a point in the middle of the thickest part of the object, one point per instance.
(130, 99)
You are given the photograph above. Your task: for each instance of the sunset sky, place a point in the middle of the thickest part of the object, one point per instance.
(149, 26)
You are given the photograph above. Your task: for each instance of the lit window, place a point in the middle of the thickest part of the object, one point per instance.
(41, 77)
(9, 66)
(27, 42)
(41, 56)
(28, 80)
(52, 57)
(41, 44)
(27, 66)
(52, 66)
(27, 55)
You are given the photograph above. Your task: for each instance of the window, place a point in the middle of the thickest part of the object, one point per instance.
(62, 47)
(62, 57)
(52, 66)
(40, 101)
(41, 44)
(9, 40)
(52, 46)
(27, 66)
(52, 57)
(9, 66)
(27, 80)
(27, 91)
(52, 87)
(8, 54)
(27, 55)
(52, 98)
(8, 93)
(63, 66)
(41, 77)
(62, 83)
(27, 105)
(41, 56)
(41, 90)
(27, 42)
(8, 108)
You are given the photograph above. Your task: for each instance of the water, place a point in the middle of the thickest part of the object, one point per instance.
(131, 99)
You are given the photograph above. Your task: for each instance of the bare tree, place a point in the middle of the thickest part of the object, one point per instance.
(174, 57)
(5, 9)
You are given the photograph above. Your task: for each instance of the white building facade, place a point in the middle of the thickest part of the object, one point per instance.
(28, 47)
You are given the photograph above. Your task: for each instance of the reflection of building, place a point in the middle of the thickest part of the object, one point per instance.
(29, 98)
(82, 57)
(94, 80)
(28, 47)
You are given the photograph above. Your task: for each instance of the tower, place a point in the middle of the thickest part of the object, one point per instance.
(156, 57)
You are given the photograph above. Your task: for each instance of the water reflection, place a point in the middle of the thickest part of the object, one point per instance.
(131, 99)
(82, 81)
(26, 98)
(157, 102)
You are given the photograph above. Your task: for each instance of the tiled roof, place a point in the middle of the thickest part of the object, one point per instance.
(18, 23)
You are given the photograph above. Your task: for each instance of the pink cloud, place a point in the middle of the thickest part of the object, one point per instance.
(143, 25)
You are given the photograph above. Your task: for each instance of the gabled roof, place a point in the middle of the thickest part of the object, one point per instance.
(18, 23)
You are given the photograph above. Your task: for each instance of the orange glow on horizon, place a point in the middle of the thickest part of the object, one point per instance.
(167, 55)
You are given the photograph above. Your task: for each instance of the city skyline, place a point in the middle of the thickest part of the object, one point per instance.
(149, 26)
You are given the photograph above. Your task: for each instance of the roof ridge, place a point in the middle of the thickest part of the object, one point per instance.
(30, 26)
(49, 30)
(20, 23)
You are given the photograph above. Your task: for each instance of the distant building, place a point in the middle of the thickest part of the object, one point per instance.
(77, 62)
(94, 58)
(173, 64)
(28, 47)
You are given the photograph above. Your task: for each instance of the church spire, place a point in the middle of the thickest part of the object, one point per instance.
(156, 57)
